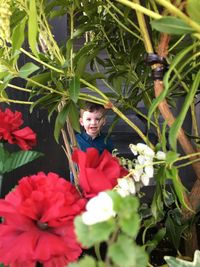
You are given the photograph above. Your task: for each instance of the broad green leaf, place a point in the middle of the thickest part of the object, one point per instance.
(27, 69)
(193, 7)
(171, 25)
(87, 261)
(175, 262)
(18, 35)
(20, 158)
(128, 217)
(126, 253)
(89, 235)
(171, 156)
(174, 130)
(60, 121)
(74, 89)
(32, 27)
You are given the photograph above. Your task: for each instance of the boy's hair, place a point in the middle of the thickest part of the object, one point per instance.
(91, 107)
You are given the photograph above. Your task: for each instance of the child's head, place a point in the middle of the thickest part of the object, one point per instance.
(92, 118)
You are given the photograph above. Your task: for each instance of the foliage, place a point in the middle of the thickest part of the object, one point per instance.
(118, 53)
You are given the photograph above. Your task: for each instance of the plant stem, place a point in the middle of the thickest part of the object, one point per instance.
(140, 8)
(40, 61)
(133, 126)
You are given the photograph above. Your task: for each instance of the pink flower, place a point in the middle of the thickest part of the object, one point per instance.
(38, 222)
(10, 131)
(97, 172)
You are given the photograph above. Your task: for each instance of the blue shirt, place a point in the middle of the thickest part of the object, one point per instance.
(100, 142)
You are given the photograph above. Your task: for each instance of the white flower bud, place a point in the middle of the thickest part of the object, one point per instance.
(160, 155)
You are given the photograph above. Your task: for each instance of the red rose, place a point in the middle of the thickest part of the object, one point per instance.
(97, 172)
(38, 222)
(10, 131)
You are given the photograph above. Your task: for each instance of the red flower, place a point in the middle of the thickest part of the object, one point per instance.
(38, 222)
(10, 131)
(97, 172)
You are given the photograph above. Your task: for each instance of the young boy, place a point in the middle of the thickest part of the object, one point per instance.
(92, 118)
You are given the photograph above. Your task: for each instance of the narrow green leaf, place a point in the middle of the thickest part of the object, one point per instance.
(178, 186)
(60, 121)
(32, 27)
(174, 130)
(74, 116)
(193, 8)
(42, 78)
(171, 25)
(18, 35)
(74, 89)
(27, 69)
(20, 158)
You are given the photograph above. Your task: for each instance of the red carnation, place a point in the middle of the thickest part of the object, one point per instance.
(38, 222)
(10, 131)
(97, 172)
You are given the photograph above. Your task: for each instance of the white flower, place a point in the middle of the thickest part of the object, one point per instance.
(137, 172)
(149, 170)
(125, 187)
(145, 179)
(141, 159)
(133, 149)
(160, 155)
(141, 147)
(148, 152)
(98, 209)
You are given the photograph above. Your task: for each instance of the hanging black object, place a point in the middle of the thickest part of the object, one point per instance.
(159, 71)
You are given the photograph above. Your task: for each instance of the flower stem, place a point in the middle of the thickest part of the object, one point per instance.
(41, 62)
(140, 8)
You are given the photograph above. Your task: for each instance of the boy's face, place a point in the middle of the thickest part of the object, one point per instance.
(92, 122)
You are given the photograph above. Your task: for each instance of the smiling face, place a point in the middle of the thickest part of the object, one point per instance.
(92, 122)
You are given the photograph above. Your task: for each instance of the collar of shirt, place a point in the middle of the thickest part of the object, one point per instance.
(88, 137)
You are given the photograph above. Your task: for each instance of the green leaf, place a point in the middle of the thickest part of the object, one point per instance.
(127, 254)
(152, 244)
(87, 261)
(42, 78)
(178, 186)
(128, 217)
(89, 235)
(60, 121)
(27, 69)
(171, 25)
(174, 130)
(175, 262)
(18, 35)
(174, 229)
(20, 158)
(193, 7)
(171, 156)
(74, 117)
(32, 27)
(74, 89)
